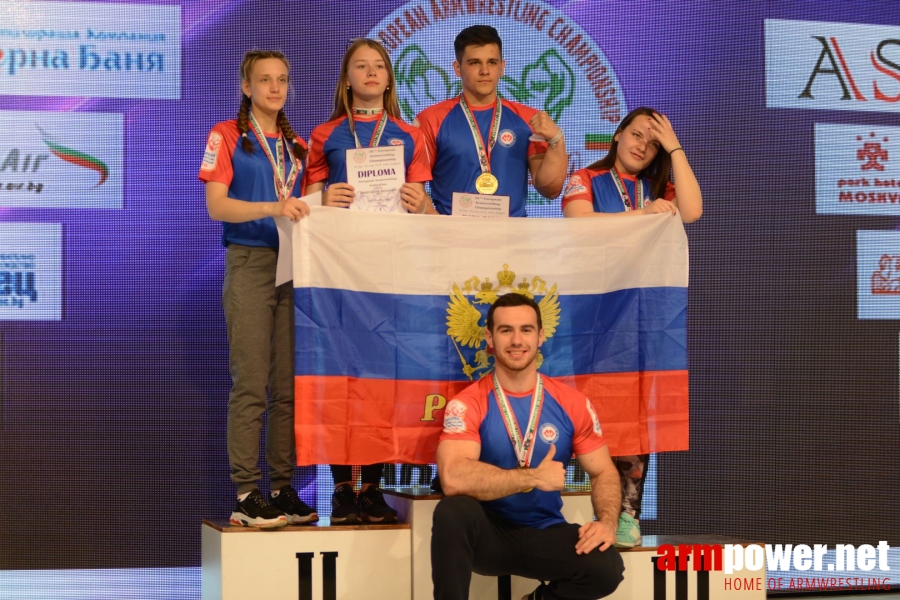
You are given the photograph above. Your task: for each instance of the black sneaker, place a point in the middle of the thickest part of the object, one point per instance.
(373, 507)
(296, 510)
(537, 594)
(254, 511)
(343, 505)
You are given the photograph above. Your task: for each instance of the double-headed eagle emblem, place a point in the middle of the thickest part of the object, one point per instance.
(464, 320)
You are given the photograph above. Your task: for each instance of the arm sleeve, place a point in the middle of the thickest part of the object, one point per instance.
(220, 144)
(428, 128)
(578, 188)
(316, 164)
(669, 194)
(588, 435)
(420, 168)
(463, 415)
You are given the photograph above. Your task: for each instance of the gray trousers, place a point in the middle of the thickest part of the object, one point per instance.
(260, 323)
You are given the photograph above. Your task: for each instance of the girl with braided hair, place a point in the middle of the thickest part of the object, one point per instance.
(253, 171)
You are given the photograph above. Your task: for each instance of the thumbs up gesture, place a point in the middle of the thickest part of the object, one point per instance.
(550, 475)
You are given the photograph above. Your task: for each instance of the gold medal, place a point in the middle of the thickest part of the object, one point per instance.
(486, 183)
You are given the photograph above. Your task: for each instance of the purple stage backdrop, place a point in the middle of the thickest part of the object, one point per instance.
(113, 358)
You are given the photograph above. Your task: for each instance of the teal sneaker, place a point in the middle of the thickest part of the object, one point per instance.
(628, 535)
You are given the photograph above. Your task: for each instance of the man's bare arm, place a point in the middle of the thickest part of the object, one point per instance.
(463, 474)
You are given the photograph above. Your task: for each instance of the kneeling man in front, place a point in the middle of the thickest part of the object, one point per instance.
(502, 459)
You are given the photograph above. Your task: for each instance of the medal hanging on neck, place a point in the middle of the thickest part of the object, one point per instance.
(379, 130)
(523, 446)
(283, 185)
(623, 191)
(486, 183)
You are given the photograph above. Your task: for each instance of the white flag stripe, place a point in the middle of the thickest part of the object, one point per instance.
(419, 255)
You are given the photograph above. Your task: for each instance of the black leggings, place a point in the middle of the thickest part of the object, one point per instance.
(370, 473)
(465, 539)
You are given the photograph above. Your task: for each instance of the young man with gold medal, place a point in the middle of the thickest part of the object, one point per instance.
(480, 143)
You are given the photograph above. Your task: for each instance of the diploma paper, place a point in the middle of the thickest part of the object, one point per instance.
(376, 175)
(479, 205)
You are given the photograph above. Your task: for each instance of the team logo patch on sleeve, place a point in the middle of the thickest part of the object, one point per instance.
(576, 186)
(596, 421)
(211, 154)
(455, 417)
(549, 433)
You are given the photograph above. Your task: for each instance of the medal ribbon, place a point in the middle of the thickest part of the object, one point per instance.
(524, 448)
(484, 153)
(623, 192)
(282, 188)
(376, 135)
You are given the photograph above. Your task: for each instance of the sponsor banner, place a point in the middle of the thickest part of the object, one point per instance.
(384, 340)
(90, 49)
(552, 64)
(878, 274)
(857, 169)
(835, 66)
(60, 160)
(30, 272)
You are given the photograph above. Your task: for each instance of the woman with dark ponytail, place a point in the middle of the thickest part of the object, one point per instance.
(634, 179)
(253, 170)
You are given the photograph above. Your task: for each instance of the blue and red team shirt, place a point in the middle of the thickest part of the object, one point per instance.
(249, 177)
(567, 419)
(327, 160)
(599, 188)
(455, 165)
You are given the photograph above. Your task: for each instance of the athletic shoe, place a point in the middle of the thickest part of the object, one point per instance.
(343, 505)
(628, 535)
(254, 511)
(373, 507)
(537, 594)
(296, 510)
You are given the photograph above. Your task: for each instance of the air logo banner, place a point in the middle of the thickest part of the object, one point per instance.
(857, 169)
(878, 274)
(835, 66)
(90, 49)
(30, 272)
(60, 160)
(552, 64)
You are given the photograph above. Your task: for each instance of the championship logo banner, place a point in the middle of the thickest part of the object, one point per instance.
(90, 49)
(552, 64)
(61, 160)
(390, 312)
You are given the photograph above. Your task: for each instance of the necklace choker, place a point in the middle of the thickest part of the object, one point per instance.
(367, 111)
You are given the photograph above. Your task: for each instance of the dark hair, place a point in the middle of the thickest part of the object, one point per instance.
(658, 171)
(476, 35)
(513, 299)
(243, 116)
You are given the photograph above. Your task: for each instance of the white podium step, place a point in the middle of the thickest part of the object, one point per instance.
(393, 562)
(311, 562)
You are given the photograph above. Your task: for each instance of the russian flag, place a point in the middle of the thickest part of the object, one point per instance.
(390, 308)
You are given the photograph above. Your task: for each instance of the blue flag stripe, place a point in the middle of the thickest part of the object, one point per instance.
(404, 337)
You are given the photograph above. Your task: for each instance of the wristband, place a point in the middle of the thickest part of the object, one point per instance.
(552, 142)
(674, 150)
